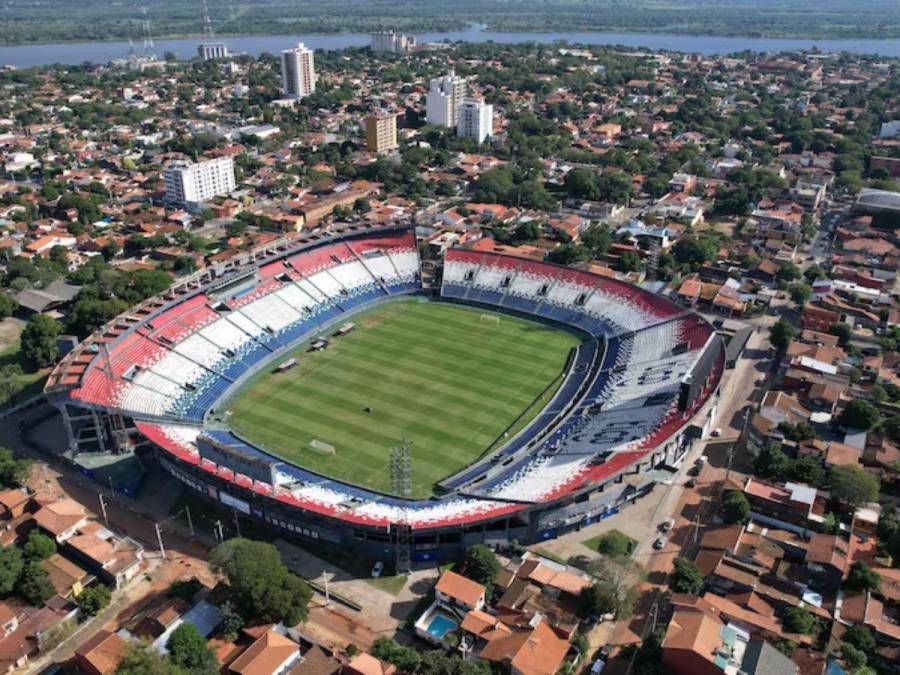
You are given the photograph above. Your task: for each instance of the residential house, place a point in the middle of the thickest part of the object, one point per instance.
(270, 654)
(455, 590)
(61, 519)
(100, 654)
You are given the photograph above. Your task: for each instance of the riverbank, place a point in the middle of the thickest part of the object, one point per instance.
(103, 52)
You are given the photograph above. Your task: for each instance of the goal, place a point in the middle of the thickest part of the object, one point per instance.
(489, 318)
(321, 447)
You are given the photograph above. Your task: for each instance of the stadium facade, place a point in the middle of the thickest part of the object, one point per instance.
(635, 394)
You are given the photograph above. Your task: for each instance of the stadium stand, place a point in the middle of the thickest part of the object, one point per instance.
(618, 403)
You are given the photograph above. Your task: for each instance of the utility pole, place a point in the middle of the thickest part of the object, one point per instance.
(217, 531)
(237, 524)
(162, 550)
(103, 508)
(187, 512)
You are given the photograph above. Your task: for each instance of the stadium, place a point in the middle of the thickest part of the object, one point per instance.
(342, 389)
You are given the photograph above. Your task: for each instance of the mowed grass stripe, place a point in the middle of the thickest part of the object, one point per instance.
(437, 375)
(459, 343)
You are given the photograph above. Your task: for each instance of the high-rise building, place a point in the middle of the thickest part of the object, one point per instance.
(192, 183)
(209, 51)
(298, 71)
(381, 132)
(445, 96)
(476, 120)
(389, 41)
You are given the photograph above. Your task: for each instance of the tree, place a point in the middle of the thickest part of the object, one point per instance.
(862, 578)
(566, 254)
(891, 428)
(38, 547)
(39, 340)
(800, 293)
(735, 507)
(7, 306)
(799, 620)
(11, 564)
(852, 485)
(788, 272)
(141, 659)
(843, 332)
(686, 578)
(406, 659)
(859, 414)
(694, 251)
(232, 622)
(597, 600)
(853, 658)
(801, 431)
(781, 334)
(187, 648)
(13, 472)
(598, 239)
(813, 272)
(807, 469)
(629, 261)
(92, 600)
(772, 462)
(582, 184)
(615, 544)
(616, 580)
(481, 564)
(860, 637)
(33, 586)
(261, 585)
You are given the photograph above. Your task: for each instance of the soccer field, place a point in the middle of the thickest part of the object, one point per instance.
(448, 378)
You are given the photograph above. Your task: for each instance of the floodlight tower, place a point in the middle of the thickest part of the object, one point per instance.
(401, 485)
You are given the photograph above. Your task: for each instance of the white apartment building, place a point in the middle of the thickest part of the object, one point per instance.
(191, 183)
(476, 120)
(445, 97)
(209, 51)
(298, 72)
(389, 41)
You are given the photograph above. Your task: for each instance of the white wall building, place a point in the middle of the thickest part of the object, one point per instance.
(209, 51)
(476, 120)
(192, 183)
(389, 41)
(445, 97)
(298, 71)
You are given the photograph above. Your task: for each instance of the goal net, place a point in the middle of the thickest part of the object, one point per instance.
(321, 446)
(492, 319)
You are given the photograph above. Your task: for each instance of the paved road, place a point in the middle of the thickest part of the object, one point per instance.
(691, 508)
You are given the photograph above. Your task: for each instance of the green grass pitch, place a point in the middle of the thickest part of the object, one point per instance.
(448, 378)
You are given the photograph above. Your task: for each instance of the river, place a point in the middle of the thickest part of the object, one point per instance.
(102, 52)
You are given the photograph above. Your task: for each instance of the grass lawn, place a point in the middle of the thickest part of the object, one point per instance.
(613, 543)
(448, 378)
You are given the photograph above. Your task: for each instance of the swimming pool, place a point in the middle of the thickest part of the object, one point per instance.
(440, 625)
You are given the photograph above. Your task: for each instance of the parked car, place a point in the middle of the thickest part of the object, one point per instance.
(694, 471)
(717, 432)
(660, 543)
(691, 483)
(377, 569)
(667, 525)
